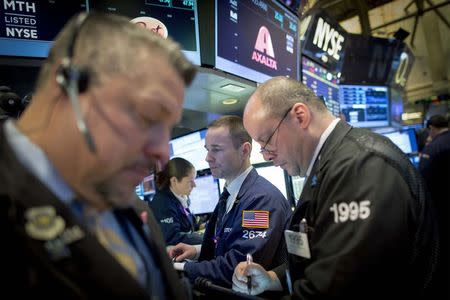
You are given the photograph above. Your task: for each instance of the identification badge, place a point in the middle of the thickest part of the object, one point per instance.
(297, 243)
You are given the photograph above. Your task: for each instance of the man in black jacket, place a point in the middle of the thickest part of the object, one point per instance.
(363, 228)
(100, 119)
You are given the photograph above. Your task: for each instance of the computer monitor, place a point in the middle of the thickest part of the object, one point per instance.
(190, 147)
(365, 105)
(205, 195)
(404, 139)
(256, 40)
(180, 18)
(148, 185)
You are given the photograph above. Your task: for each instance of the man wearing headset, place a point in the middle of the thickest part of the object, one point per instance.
(105, 102)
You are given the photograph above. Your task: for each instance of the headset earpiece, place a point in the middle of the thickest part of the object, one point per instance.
(68, 73)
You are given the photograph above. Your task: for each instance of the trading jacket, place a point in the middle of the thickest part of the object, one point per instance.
(369, 226)
(235, 239)
(72, 265)
(177, 224)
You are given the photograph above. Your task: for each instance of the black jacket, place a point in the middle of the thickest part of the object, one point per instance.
(176, 223)
(370, 227)
(74, 269)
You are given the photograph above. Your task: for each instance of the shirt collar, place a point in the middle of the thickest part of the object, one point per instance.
(35, 161)
(183, 199)
(323, 137)
(234, 186)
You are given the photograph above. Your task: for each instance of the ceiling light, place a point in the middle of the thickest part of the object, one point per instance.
(233, 88)
(230, 101)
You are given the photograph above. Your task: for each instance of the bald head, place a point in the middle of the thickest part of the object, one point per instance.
(277, 95)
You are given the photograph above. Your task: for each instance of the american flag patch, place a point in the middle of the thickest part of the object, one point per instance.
(255, 219)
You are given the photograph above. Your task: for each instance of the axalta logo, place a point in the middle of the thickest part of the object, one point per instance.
(263, 52)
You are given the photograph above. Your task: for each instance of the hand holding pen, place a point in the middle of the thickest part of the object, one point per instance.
(249, 278)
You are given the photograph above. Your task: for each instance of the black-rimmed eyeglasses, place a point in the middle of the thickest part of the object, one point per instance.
(263, 149)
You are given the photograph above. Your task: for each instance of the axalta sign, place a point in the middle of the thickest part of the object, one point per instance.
(328, 39)
(263, 52)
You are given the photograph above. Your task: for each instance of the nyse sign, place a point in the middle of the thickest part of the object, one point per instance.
(20, 19)
(328, 39)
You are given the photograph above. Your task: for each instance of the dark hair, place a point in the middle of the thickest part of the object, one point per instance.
(236, 129)
(178, 167)
(438, 121)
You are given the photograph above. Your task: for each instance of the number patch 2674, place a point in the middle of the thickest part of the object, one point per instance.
(251, 234)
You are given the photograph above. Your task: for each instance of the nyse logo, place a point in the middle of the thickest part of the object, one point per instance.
(263, 52)
(328, 39)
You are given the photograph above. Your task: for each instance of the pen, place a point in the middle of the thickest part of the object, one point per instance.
(249, 278)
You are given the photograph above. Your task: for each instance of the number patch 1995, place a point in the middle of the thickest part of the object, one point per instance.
(350, 211)
(251, 234)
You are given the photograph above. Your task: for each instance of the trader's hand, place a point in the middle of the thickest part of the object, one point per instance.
(181, 252)
(262, 280)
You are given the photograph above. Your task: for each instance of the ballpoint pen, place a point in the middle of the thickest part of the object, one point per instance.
(249, 278)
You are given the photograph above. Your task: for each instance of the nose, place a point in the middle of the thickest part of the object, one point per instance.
(208, 157)
(268, 156)
(156, 149)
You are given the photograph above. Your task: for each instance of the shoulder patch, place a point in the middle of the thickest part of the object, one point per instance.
(255, 219)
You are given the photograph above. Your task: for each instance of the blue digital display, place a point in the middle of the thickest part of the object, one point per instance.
(323, 83)
(365, 106)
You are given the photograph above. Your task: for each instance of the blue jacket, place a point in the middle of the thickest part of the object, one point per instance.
(235, 239)
(176, 223)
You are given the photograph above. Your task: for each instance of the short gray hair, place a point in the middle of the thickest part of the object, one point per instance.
(279, 94)
(111, 45)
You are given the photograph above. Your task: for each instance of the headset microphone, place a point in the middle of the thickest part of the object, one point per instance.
(74, 81)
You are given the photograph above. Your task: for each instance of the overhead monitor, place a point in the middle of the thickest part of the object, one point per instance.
(323, 83)
(205, 195)
(177, 19)
(404, 139)
(365, 106)
(275, 175)
(190, 147)
(29, 27)
(256, 40)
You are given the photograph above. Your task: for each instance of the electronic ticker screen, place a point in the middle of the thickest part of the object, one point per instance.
(323, 83)
(256, 39)
(365, 106)
(27, 28)
(178, 17)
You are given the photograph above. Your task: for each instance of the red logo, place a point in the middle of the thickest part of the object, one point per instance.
(263, 52)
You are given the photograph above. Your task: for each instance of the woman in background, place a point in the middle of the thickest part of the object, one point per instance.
(170, 203)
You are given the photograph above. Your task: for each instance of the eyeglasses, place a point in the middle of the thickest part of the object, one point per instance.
(263, 149)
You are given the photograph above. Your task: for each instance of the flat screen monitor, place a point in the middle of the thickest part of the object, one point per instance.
(275, 175)
(29, 27)
(365, 106)
(205, 195)
(190, 147)
(256, 157)
(256, 40)
(323, 83)
(404, 139)
(179, 19)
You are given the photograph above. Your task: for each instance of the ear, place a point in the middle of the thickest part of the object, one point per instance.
(173, 180)
(246, 149)
(302, 114)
